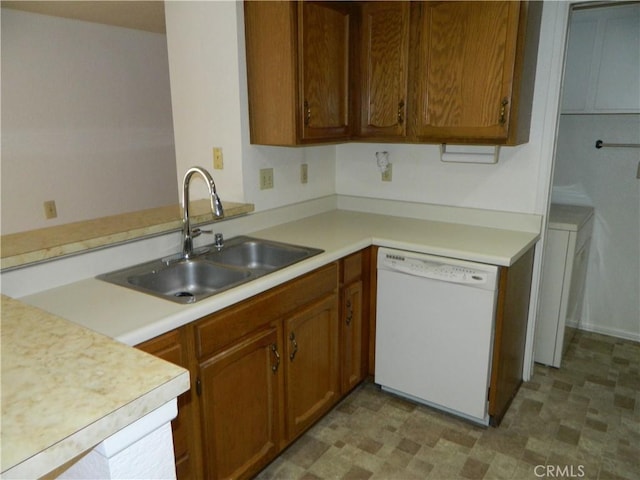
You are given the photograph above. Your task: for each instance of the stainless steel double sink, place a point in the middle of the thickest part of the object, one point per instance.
(212, 270)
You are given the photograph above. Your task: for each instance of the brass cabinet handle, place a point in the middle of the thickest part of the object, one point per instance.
(307, 115)
(274, 349)
(503, 110)
(292, 355)
(349, 312)
(401, 112)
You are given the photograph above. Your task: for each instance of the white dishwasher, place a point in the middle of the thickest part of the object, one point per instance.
(434, 330)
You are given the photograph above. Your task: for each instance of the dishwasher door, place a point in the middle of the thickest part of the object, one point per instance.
(434, 337)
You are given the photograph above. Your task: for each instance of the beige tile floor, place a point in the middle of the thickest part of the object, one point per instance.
(580, 421)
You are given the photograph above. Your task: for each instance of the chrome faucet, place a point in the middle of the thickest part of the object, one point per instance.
(216, 207)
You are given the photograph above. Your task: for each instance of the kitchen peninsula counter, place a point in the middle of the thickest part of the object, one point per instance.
(133, 317)
(65, 389)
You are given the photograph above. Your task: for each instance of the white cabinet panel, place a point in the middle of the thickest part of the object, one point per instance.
(564, 272)
(602, 73)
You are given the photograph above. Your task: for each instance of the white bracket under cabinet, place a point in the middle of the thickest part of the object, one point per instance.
(602, 72)
(564, 272)
(469, 153)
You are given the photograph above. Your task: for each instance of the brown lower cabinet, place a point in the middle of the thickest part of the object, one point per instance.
(172, 347)
(266, 369)
(240, 398)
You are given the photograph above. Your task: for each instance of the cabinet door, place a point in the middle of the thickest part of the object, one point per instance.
(351, 336)
(323, 56)
(240, 406)
(602, 71)
(170, 347)
(384, 68)
(465, 70)
(272, 82)
(312, 376)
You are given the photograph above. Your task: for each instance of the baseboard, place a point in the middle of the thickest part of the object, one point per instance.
(612, 332)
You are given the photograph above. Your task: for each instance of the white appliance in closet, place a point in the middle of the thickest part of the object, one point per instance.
(564, 271)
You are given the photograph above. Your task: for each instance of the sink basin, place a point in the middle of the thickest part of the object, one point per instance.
(258, 254)
(185, 281)
(241, 260)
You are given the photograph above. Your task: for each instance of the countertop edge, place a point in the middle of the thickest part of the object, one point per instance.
(93, 434)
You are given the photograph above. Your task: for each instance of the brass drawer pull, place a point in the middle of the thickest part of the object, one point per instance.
(503, 110)
(292, 337)
(274, 349)
(307, 115)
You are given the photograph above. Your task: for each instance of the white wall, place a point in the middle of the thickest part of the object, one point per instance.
(606, 180)
(203, 64)
(420, 176)
(86, 120)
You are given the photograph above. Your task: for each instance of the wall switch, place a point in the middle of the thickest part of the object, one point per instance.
(218, 164)
(266, 178)
(50, 210)
(304, 173)
(387, 174)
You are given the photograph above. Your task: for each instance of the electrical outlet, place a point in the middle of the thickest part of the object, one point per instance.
(50, 210)
(387, 175)
(218, 164)
(266, 178)
(304, 173)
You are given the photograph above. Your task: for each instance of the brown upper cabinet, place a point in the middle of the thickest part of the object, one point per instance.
(298, 56)
(470, 82)
(384, 69)
(422, 72)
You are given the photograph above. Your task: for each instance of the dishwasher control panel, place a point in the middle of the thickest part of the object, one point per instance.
(437, 268)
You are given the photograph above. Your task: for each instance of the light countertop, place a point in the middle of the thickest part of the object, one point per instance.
(66, 388)
(568, 217)
(134, 317)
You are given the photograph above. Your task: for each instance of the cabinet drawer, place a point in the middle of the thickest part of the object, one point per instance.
(352, 269)
(221, 328)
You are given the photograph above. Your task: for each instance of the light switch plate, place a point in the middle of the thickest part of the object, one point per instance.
(266, 178)
(50, 210)
(218, 163)
(387, 175)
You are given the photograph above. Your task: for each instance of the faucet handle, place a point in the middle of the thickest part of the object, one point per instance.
(218, 240)
(197, 231)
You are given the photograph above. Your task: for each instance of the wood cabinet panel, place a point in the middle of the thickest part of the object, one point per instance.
(324, 56)
(423, 71)
(171, 347)
(354, 318)
(384, 68)
(240, 401)
(312, 355)
(510, 335)
(465, 72)
(351, 335)
(245, 361)
(221, 328)
(272, 81)
(298, 71)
